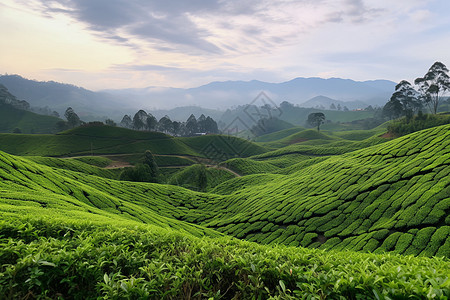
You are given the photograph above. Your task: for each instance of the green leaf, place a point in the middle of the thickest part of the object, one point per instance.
(283, 286)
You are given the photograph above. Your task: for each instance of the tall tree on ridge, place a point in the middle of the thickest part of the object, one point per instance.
(433, 85)
(72, 118)
(316, 119)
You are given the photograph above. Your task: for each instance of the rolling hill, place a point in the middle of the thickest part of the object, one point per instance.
(393, 196)
(15, 115)
(87, 140)
(385, 197)
(63, 229)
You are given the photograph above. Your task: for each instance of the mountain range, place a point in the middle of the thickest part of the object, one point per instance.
(114, 103)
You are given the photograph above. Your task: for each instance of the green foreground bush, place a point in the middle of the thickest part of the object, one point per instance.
(51, 259)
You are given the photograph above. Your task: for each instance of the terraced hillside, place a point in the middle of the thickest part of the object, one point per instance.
(114, 140)
(391, 197)
(65, 233)
(31, 189)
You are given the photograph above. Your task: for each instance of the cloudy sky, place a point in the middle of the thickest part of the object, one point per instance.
(102, 44)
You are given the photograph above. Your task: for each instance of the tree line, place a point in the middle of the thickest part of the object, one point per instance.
(143, 121)
(409, 100)
(147, 122)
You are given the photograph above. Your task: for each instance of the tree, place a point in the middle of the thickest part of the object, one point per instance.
(149, 160)
(191, 125)
(345, 108)
(433, 85)
(165, 125)
(316, 119)
(339, 107)
(202, 178)
(177, 128)
(408, 97)
(140, 120)
(61, 126)
(72, 118)
(211, 125)
(110, 122)
(393, 109)
(152, 123)
(332, 106)
(126, 122)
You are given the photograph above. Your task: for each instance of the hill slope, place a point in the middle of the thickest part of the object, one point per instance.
(394, 196)
(116, 140)
(15, 114)
(389, 197)
(67, 234)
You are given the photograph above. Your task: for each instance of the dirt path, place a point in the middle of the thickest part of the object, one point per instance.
(118, 164)
(224, 168)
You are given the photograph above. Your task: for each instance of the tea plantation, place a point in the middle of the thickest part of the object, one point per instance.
(391, 197)
(68, 230)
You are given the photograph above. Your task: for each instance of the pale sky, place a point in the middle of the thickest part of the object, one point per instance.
(105, 44)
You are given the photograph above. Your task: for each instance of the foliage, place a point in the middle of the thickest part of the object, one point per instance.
(56, 258)
(139, 173)
(316, 119)
(149, 160)
(246, 166)
(97, 161)
(419, 122)
(86, 165)
(404, 102)
(199, 178)
(433, 85)
(388, 196)
(72, 118)
(144, 121)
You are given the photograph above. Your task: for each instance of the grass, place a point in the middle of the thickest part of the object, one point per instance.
(26, 121)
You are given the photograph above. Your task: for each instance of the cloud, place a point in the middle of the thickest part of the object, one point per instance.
(208, 27)
(186, 43)
(155, 22)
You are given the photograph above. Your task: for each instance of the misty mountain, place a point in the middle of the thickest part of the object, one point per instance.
(326, 102)
(88, 105)
(114, 103)
(222, 95)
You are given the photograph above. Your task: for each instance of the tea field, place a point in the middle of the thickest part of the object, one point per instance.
(354, 218)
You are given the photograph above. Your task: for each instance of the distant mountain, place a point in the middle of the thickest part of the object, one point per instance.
(233, 93)
(326, 102)
(87, 104)
(114, 103)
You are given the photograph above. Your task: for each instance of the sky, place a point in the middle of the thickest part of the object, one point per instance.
(115, 44)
